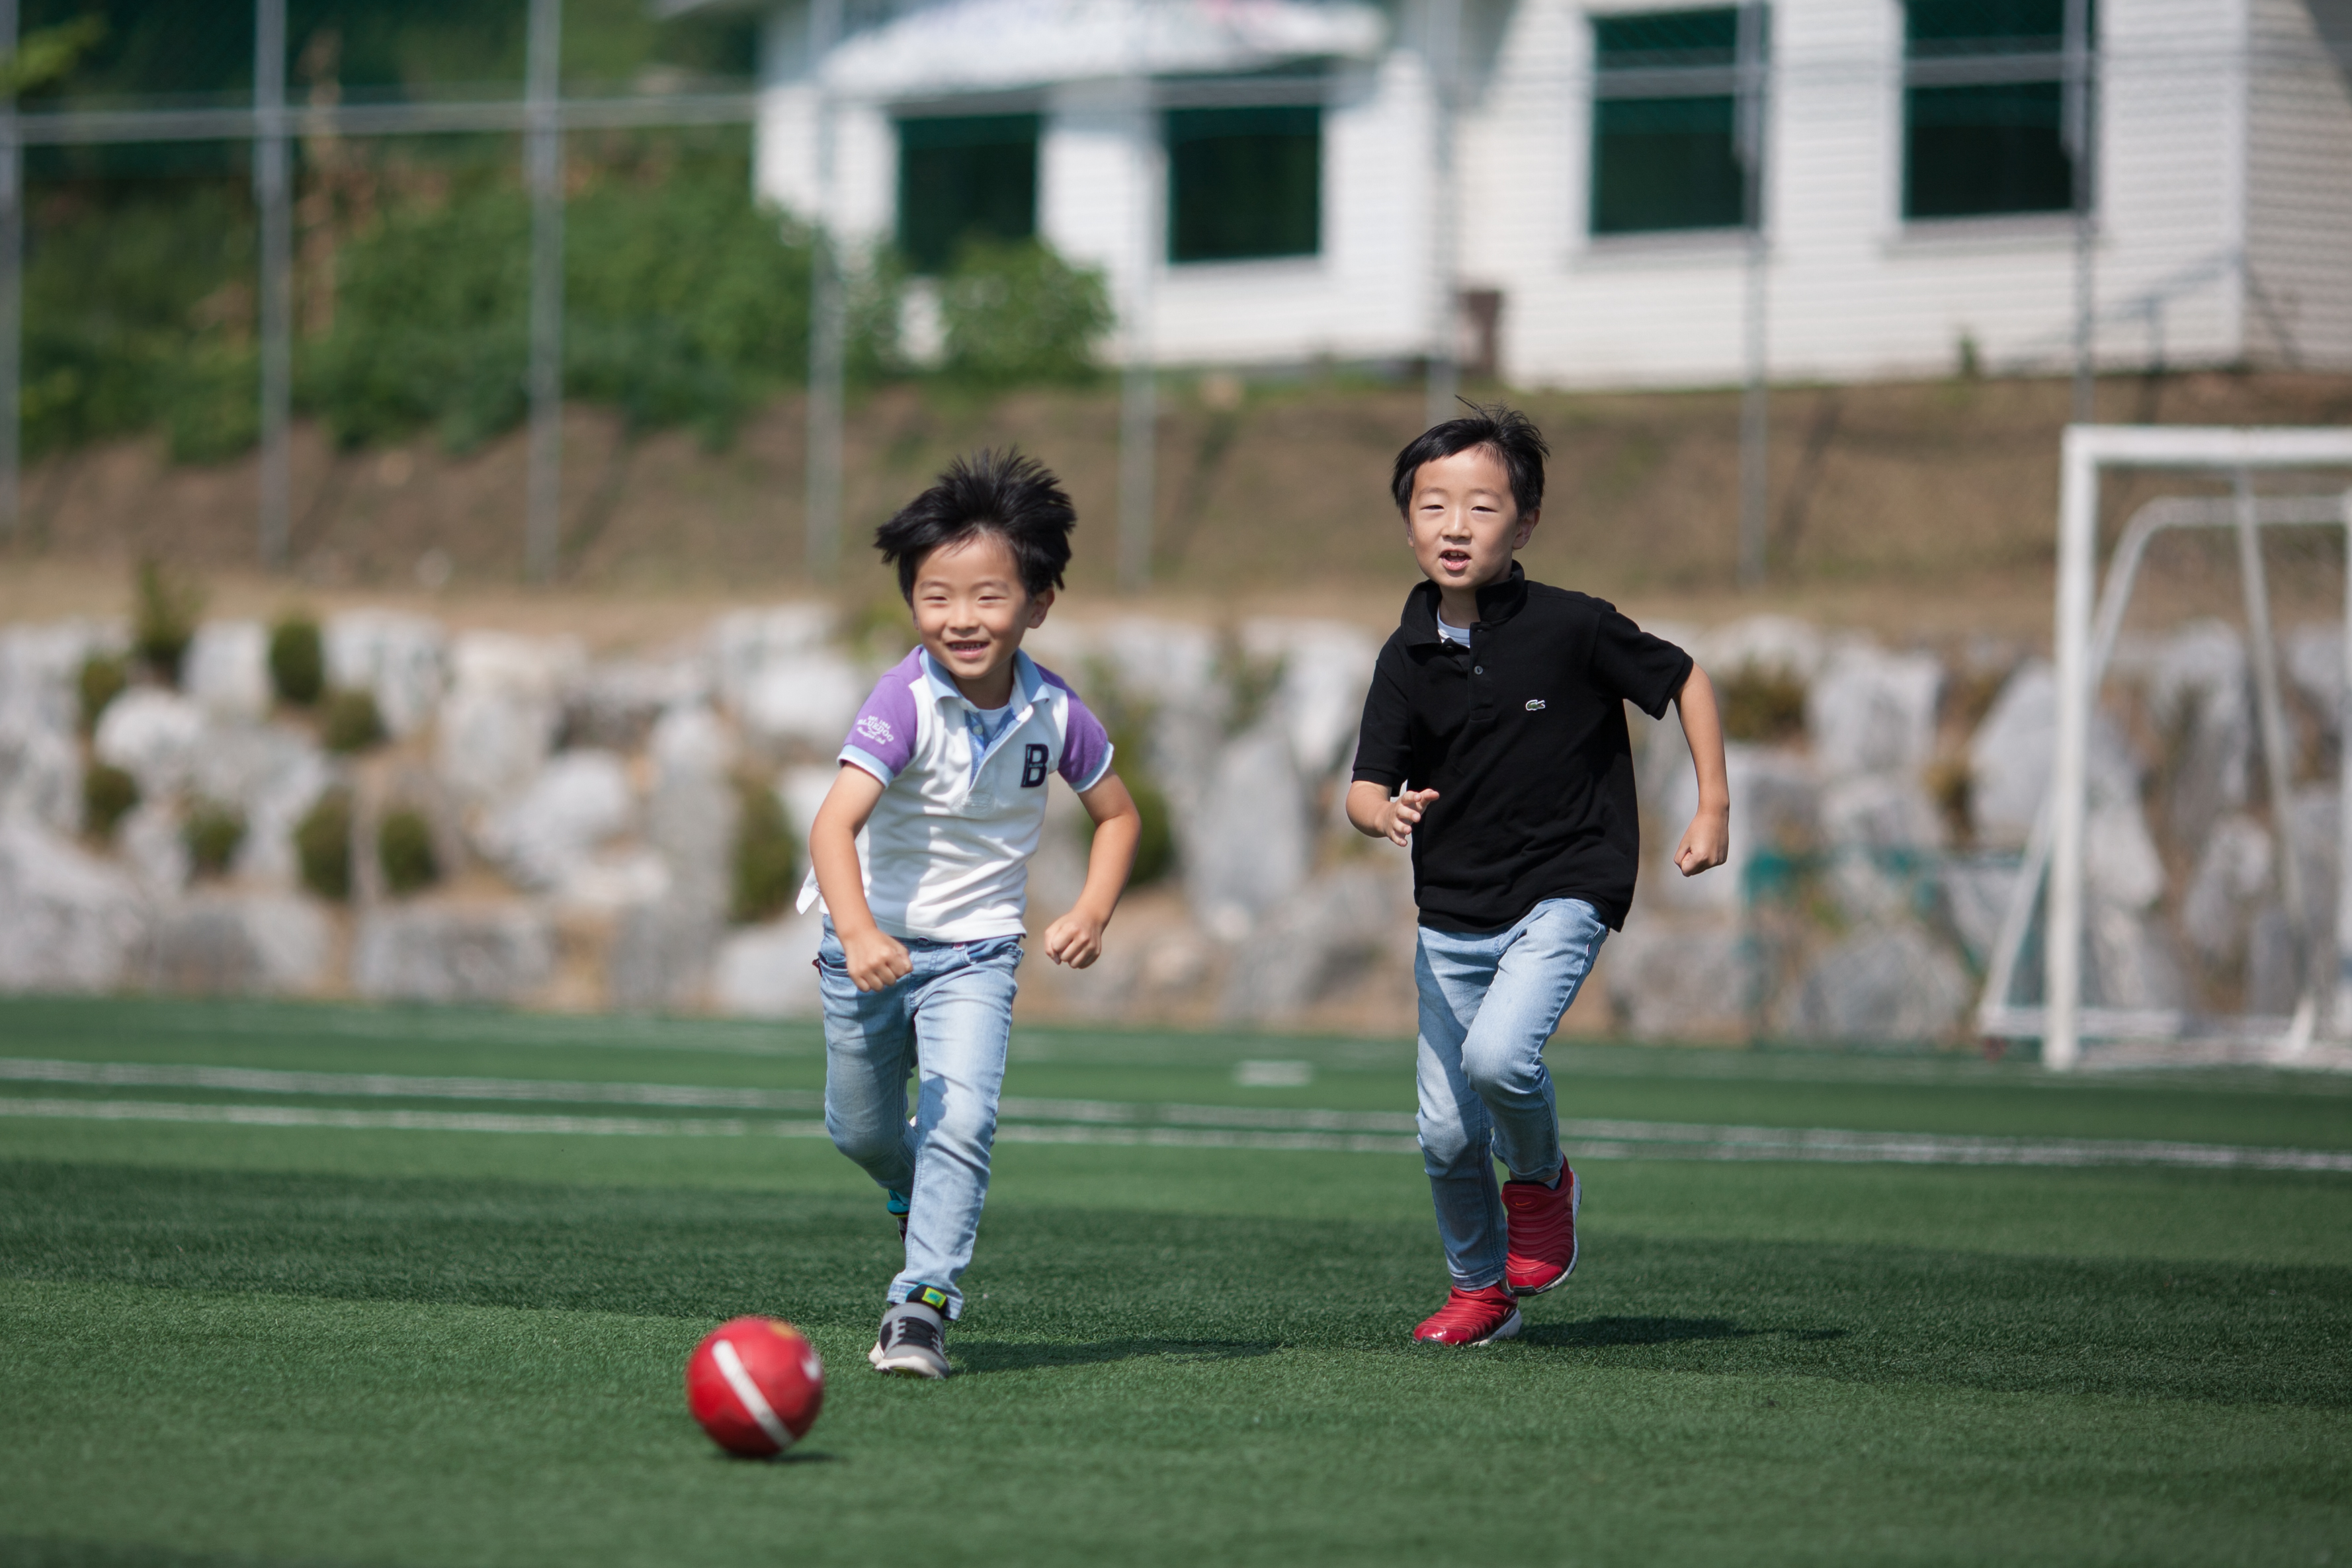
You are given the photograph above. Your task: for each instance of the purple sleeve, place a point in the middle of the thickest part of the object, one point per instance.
(882, 736)
(1086, 747)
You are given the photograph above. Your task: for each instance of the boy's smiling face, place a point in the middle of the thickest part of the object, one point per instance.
(971, 611)
(1465, 527)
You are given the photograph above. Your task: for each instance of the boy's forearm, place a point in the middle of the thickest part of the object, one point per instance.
(1109, 862)
(1368, 804)
(834, 854)
(1702, 731)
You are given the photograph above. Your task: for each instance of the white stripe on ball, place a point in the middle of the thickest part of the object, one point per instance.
(755, 1404)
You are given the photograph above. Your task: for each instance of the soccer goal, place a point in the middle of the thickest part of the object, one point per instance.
(2086, 637)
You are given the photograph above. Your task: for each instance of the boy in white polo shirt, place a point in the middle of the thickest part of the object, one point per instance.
(920, 852)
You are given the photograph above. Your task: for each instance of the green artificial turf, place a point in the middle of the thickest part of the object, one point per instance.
(238, 1344)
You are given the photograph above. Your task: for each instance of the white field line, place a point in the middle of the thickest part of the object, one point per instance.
(1305, 1131)
(393, 1086)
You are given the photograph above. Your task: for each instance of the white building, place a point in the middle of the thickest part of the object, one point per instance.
(1264, 181)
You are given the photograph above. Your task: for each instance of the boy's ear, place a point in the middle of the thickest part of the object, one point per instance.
(1527, 526)
(1039, 603)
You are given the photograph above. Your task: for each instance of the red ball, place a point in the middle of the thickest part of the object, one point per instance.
(756, 1385)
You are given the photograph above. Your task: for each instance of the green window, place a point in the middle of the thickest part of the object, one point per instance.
(1984, 109)
(966, 177)
(1666, 148)
(1245, 182)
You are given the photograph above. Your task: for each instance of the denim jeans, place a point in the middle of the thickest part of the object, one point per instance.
(948, 1022)
(1488, 1004)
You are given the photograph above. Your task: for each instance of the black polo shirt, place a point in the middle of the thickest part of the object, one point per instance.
(1522, 734)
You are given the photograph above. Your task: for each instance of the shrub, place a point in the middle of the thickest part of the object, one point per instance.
(322, 843)
(404, 848)
(1018, 313)
(108, 795)
(350, 722)
(163, 620)
(213, 833)
(1155, 850)
(1763, 704)
(102, 678)
(298, 659)
(767, 857)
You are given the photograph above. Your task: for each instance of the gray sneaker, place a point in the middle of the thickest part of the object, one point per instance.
(913, 1341)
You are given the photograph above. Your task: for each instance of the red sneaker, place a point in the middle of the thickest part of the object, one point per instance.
(1543, 1232)
(1472, 1317)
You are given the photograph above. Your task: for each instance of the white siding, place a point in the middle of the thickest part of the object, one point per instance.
(2298, 195)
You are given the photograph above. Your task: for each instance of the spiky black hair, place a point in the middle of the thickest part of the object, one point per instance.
(1512, 435)
(1017, 499)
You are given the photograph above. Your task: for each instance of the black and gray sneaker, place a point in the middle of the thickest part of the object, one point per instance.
(914, 1341)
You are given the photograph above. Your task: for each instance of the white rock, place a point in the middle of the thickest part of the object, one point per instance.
(1779, 644)
(1247, 847)
(1890, 982)
(68, 921)
(2233, 875)
(1977, 890)
(745, 644)
(152, 846)
(2313, 658)
(661, 957)
(1340, 922)
(1169, 664)
(154, 736)
(628, 877)
(2012, 752)
(438, 953)
(498, 722)
(273, 774)
(2131, 964)
(40, 778)
(1327, 667)
(2199, 691)
(1870, 711)
(1680, 977)
(690, 817)
(616, 702)
(227, 671)
(395, 658)
(1775, 807)
(2120, 863)
(808, 698)
(40, 671)
(768, 971)
(1880, 812)
(241, 944)
(550, 830)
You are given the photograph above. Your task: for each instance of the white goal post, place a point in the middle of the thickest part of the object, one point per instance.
(2085, 643)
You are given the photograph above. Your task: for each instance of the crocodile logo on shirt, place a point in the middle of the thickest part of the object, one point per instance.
(1535, 705)
(875, 728)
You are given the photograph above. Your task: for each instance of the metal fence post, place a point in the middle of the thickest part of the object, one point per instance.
(1755, 407)
(544, 165)
(1139, 402)
(273, 200)
(1444, 51)
(12, 285)
(2080, 132)
(827, 326)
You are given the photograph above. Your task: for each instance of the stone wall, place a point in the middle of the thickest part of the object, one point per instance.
(584, 813)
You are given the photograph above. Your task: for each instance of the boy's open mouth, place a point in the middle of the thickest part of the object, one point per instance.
(969, 648)
(1454, 560)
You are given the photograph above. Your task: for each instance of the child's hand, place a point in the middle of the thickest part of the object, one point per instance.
(1707, 843)
(876, 959)
(1074, 939)
(1403, 813)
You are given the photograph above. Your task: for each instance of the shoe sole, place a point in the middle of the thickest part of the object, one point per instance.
(1575, 1240)
(1508, 1329)
(906, 1365)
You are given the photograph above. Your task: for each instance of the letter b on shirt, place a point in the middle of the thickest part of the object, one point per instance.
(1032, 767)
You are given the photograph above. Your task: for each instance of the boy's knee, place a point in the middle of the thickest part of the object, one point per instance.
(870, 1144)
(1446, 1148)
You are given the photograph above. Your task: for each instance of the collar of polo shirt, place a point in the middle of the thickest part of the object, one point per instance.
(1026, 681)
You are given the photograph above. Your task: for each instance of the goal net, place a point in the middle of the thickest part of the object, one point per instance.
(2278, 480)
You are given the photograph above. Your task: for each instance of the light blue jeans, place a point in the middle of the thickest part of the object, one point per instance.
(948, 1022)
(1488, 1004)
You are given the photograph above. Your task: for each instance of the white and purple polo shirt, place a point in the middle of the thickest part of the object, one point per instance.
(946, 852)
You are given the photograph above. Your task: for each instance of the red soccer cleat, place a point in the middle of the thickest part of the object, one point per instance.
(1543, 1232)
(1472, 1317)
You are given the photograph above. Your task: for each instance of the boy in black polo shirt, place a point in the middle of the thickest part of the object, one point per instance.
(1493, 744)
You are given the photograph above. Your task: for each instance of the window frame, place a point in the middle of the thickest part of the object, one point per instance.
(1741, 81)
(1174, 105)
(1996, 61)
(1035, 140)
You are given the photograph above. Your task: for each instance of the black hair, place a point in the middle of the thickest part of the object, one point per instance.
(1512, 435)
(1003, 493)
